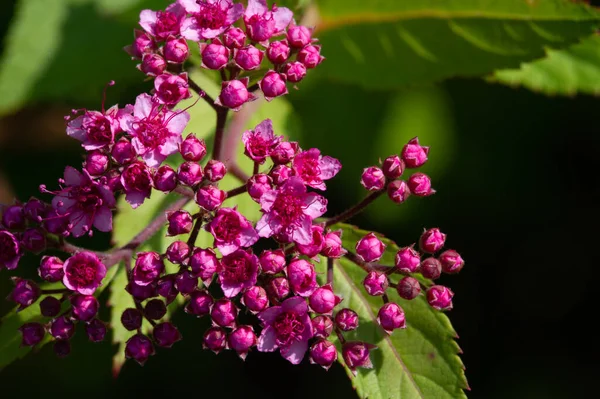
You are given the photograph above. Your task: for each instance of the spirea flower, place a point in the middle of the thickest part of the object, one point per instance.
(83, 272)
(231, 231)
(261, 141)
(239, 271)
(314, 169)
(209, 18)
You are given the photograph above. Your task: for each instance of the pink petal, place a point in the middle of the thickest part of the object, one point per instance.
(143, 106)
(248, 237)
(329, 167)
(227, 248)
(234, 13)
(178, 122)
(81, 224)
(190, 30)
(135, 199)
(267, 200)
(295, 304)
(103, 219)
(256, 7)
(107, 196)
(283, 16)
(125, 123)
(295, 352)
(153, 158)
(265, 129)
(74, 129)
(263, 226)
(190, 6)
(230, 290)
(294, 185)
(303, 234)
(268, 316)
(148, 20)
(267, 342)
(72, 176)
(315, 205)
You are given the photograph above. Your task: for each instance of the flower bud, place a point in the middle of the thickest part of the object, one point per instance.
(95, 330)
(393, 167)
(148, 268)
(414, 154)
(408, 288)
(420, 185)
(398, 191)
(431, 268)
(50, 306)
(33, 240)
(153, 64)
(432, 240)
(176, 50)
(257, 185)
(310, 56)
(139, 348)
(62, 348)
(180, 222)
(215, 170)
(13, 217)
(190, 173)
(165, 287)
(311, 250)
(278, 289)
(177, 252)
(186, 282)
(32, 334)
(373, 179)
(215, 339)
(323, 353)
(142, 44)
(323, 300)
(141, 292)
(272, 262)
(204, 264)
(375, 283)
(273, 85)
(452, 262)
(391, 317)
(165, 179)
(192, 149)
(96, 163)
(278, 52)
(214, 55)
(284, 152)
(123, 152)
(294, 71)
(407, 260)
(302, 277)
(356, 354)
(85, 307)
(248, 58)
(280, 173)
(440, 297)
(346, 319)
(224, 313)
(62, 328)
(234, 93)
(200, 303)
(298, 36)
(155, 309)
(332, 245)
(241, 340)
(370, 248)
(25, 293)
(165, 334)
(322, 326)
(234, 38)
(255, 299)
(210, 197)
(131, 319)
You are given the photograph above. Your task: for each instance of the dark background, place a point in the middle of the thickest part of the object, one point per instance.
(518, 196)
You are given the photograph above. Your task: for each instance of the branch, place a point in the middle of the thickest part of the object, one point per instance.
(203, 94)
(347, 214)
(218, 144)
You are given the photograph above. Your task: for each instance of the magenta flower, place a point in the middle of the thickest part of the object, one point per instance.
(287, 327)
(262, 23)
(239, 271)
(209, 18)
(156, 132)
(289, 212)
(313, 168)
(137, 183)
(10, 251)
(231, 231)
(162, 24)
(171, 89)
(97, 129)
(85, 203)
(261, 141)
(83, 272)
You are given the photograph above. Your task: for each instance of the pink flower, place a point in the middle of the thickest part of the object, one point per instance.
(171, 89)
(85, 203)
(163, 24)
(231, 231)
(262, 24)
(261, 141)
(137, 183)
(97, 129)
(313, 168)
(10, 251)
(287, 327)
(302, 277)
(83, 272)
(239, 271)
(289, 212)
(156, 132)
(209, 18)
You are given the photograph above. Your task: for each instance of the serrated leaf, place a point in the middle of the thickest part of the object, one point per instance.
(562, 72)
(418, 362)
(387, 43)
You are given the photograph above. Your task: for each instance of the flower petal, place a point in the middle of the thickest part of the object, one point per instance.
(295, 352)
(267, 342)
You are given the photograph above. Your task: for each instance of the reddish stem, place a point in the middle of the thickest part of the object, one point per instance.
(347, 214)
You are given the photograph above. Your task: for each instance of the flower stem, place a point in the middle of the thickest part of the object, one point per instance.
(218, 144)
(195, 231)
(236, 191)
(368, 267)
(330, 271)
(347, 214)
(194, 86)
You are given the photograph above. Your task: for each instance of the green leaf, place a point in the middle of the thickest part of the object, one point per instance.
(418, 362)
(388, 43)
(564, 72)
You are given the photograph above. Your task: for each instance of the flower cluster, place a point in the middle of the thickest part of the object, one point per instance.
(265, 267)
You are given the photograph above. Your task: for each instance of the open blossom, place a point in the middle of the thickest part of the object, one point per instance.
(313, 168)
(262, 23)
(137, 183)
(239, 271)
(231, 231)
(156, 132)
(162, 24)
(287, 327)
(209, 18)
(289, 212)
(83, 272)
(97, 129)
(171, 89)
(85, 202)
(261, 141)
(10, 251)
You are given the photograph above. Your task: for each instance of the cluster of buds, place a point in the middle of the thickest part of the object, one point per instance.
(126, 149)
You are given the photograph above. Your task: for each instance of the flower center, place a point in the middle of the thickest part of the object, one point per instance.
(288, 207)
(309, 169)
(211, 16)
(288, 328)
(236, 270)
(87, 198)
(228, 228)
(151, 132)
(98, 128)
(137, 178)
(166, 23)
(82, 273)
